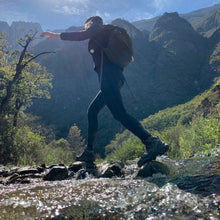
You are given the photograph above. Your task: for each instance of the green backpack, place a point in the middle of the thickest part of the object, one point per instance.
(119, 48)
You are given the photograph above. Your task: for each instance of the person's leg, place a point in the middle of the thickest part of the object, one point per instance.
(94, 108)
(112, 81)
(110, 87)
(96, 105)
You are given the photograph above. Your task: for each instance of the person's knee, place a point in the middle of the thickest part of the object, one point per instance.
(119, 115)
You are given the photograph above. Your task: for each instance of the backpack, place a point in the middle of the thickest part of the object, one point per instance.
(119, 48)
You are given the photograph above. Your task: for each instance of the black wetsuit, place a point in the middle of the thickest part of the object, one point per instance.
(111, 80)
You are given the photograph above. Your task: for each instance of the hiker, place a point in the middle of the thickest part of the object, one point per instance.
(111, 79)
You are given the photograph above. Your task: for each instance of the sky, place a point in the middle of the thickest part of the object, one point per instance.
(61, 14)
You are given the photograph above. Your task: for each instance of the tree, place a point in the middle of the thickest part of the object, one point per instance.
(75, 140)
(21, 81)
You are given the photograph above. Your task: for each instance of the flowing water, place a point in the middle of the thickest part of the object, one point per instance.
(119, 198)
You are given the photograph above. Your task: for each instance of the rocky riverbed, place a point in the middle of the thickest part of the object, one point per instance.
(163, 189)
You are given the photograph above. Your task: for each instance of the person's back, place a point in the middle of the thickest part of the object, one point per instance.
(115, 43)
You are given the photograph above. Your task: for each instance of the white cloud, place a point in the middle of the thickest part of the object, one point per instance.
(160, 5)
(107, 15)
(70, 7)
(67, 10)
(103, 15)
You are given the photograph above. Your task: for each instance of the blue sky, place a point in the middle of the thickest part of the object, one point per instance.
(61, 14)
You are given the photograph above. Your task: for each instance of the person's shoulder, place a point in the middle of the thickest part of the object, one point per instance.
(110, 27)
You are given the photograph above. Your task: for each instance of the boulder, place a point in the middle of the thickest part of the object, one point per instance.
(81, 174)
(56, 173)
(201, 184)
(28, 171)
(205, 182)
(76, 166)
(110, 170)
(151, 168)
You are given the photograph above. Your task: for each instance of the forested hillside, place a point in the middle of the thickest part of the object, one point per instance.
(189, 129)
(175, 60)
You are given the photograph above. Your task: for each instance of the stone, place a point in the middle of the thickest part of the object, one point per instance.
(151, 168)
(31, 171)
(13, 178)
(110, 170)
(81, 174)
(205, 182)
(203, 185)
(76, 166)
(56, 173)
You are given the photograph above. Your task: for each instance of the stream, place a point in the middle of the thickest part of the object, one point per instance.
(191, 191)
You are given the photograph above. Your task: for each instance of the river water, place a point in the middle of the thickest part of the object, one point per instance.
(103, 198)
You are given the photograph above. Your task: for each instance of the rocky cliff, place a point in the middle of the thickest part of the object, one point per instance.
(18, 30)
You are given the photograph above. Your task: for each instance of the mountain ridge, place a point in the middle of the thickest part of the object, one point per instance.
(194, 17)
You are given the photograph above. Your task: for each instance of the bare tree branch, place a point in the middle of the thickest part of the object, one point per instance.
(21, 44)
(46, 52)
(29, 39)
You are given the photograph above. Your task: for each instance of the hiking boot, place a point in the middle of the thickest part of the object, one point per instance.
(87, 156)
(155, 147)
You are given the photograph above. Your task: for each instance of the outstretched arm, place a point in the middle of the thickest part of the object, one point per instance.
(50, 35)
(71, 36)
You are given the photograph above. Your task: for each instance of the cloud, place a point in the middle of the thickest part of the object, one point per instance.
(103, 14)
(70, 7)
(160, 5)
(67, 10)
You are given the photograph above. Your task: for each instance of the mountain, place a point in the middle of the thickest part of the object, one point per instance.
(195, 18)
(173, 63)
(134, 32)
(18, 30)
(210, 24)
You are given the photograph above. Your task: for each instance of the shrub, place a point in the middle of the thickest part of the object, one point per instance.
(27, 147)
(58, 151)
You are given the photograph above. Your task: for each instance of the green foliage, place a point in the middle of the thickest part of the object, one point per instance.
(183, 127)
(75, 140)
(27, 147)
(118, 141)
(21, 80)
(129, 150)
(203, 135)
(57, 152)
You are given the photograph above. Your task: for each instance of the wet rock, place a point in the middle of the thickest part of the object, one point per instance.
(53, 165)
(205, 182)
(40, 169)
(110, 170)
(13, 178)
(81, 174)
(203, 185)
(91, 169)
(151, 168)
(56, 173)
(4, 173)
(113, 161)
(76, 166)
(16, 178)
(28, 171)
